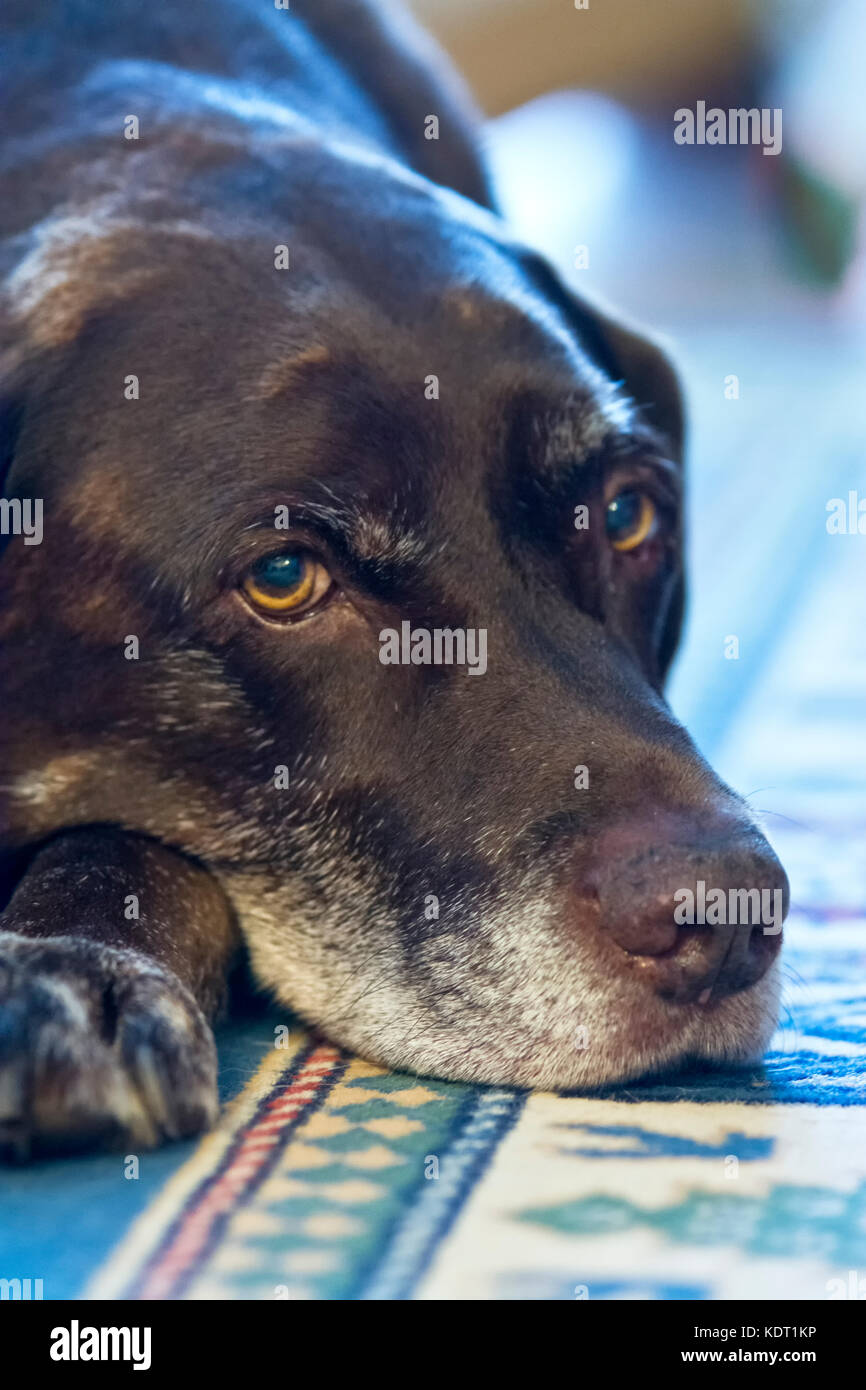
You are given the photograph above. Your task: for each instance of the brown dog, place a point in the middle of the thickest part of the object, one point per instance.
(315, 443)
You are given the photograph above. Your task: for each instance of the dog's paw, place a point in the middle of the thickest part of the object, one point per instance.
(97, 1047)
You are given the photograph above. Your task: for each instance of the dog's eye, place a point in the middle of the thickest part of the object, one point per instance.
(630, 520)
(287, 582)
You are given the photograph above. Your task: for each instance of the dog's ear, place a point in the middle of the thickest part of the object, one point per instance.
(403, 71)
(627, 355)
(19, 368)
(647, 375)
(10, 418)
(70, 272)
(24, 365)
(624, 353)
(12, 398)
(12, 386)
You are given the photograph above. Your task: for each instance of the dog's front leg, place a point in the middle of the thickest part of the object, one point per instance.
(114, 952)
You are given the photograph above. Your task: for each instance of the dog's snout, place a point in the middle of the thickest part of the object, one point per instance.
(696, 905)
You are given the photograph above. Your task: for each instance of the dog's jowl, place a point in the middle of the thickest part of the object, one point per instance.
(232, 265)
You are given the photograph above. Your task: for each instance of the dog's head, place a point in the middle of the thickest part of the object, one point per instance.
(290, 466)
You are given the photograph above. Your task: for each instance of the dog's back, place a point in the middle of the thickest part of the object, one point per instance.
(340, 70)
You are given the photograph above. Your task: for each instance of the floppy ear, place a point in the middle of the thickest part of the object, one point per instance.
(653, 385)
(648, 376)
(11, 410)
(626, 355)
(15, 369)
(21, 371)
(10, 396)
(409, 80)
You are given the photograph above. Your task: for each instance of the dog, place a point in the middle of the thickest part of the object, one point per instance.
(289, 401)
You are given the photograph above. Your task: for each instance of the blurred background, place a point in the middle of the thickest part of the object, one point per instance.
(752, 268)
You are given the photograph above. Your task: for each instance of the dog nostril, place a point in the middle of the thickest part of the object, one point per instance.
(722, 961)
(703, 912)
(639, 927)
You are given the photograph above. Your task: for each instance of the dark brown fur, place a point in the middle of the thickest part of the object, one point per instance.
(258, 387)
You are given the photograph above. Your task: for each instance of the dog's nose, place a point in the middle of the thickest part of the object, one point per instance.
(697, 904)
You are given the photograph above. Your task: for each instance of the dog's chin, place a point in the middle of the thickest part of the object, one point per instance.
(650, 1038)
(501, 1007)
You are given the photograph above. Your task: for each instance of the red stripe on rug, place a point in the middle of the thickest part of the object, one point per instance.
(253, 1151)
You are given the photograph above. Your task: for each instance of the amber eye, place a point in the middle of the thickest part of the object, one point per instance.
(630, 520)
(286, 582)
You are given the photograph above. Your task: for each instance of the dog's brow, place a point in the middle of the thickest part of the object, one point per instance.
(567, 445)
(376, 538)
(581, 430)
(370, 538)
